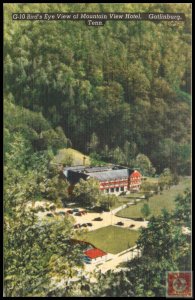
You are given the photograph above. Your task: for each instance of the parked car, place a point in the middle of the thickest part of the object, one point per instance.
(75, 210)
(62, 213)
(89, 208)
(78, 214)
(83, 212)
(69, 211)
(98, 209)
(120, 223)
(77, 226)
(89, 224)
(49, 215)
(84, 225)
(131, 226)
(97, 219)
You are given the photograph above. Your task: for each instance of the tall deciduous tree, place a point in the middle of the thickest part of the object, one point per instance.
(145, 165)
(145, 210)
(87, 191)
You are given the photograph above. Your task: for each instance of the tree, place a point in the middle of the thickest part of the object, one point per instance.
(107, 201)
(165, 179)
(162, 246)
(175, 179)
(61, 141)
(130, 150)
(175, 156)
(112, 285)
(96, 160)
(145, 210)
(183, 208)
(54, 188)
(118, 155)
(143, 162)
(33, 127)
(148, 188)
(87, 192)
(93, 144)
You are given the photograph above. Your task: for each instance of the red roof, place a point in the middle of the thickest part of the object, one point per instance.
(135, 174)
(94, 253)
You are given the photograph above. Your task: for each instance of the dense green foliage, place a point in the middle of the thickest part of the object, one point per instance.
(164, 247)
(105, 285)
(145, 210)
(122, 86)
(120, 93)
(87, 192)
(33, 127)
(112, 285)
(183, 212)
(35, 252)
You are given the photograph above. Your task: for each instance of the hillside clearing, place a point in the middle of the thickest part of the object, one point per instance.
(72, 153)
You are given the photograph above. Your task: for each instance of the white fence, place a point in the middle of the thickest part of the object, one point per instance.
(133, 252)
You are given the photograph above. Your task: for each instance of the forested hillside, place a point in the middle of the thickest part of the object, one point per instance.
(120, 93)
(126, 83)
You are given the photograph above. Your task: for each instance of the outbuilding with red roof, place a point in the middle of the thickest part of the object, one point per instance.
(94, 255)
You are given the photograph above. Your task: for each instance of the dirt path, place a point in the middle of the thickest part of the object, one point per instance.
(114, 211)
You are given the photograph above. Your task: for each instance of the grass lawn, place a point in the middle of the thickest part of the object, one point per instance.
(133, 195)
(157, 202)
(77, 156)
(151, 180)
(120, 201)
(111, 239)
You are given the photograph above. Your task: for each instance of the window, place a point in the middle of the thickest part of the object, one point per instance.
(107, 190)
(122, 188)
(117, 189)
(112, 190)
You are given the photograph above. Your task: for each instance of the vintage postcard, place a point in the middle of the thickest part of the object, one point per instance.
(97, 150)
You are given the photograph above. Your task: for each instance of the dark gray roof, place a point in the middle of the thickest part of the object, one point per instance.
(109, 175)
(75, 168)
(73, 176)
(97, 169)
(88, 169)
